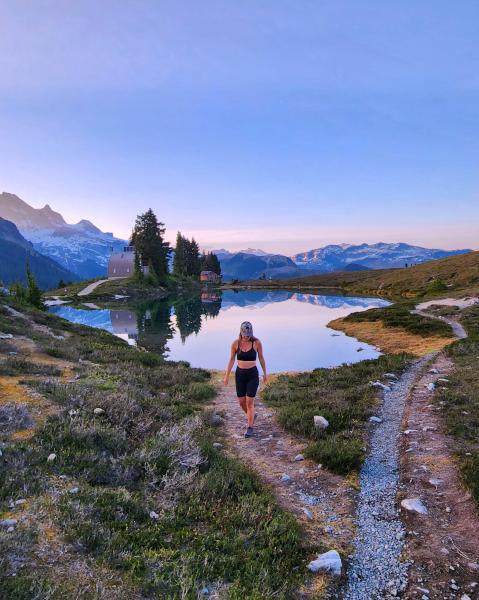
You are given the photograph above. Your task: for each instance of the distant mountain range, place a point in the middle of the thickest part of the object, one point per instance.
(344, 257)
(252, 264)
(16, 251)
(81, 248)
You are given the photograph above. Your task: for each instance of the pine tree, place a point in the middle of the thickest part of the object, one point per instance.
(138, 269)
(179, 261)
(148, 239)
(34, 293)
(195, 265)
(152, 277)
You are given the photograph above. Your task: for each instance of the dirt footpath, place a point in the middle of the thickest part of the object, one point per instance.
(444, 544)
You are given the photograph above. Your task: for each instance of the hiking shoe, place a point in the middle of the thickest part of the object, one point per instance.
(249, 432)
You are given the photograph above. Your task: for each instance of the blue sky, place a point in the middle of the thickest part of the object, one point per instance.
(278, 124)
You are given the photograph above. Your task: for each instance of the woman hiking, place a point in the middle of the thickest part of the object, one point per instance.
(245, 349)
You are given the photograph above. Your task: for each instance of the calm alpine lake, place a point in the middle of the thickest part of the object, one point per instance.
(292, 327)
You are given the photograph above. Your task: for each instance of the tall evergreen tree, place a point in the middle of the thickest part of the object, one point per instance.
(138, 268)
(34, 293)
(195, 265)
(148, 239)
(210, 262)
(179, 261)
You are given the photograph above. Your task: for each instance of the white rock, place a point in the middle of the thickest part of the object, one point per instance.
(329, 562)
(10, 529)
(98, 411)
(431, 386)
(51, 457)
(154, 515)
(298, 458)
(443, 380)
(434, 371)
(8, 522)
(380, 385)
(308, 513)
(73, 412)
(435, 482)
(320, 422)
(73, 490)
(20, 502)
(390, 376)
(465, 597)
(414, 505)
(285, 477)
(1, 453)
(217, 445)
(375, 419)
(6, 336)
(409, 431)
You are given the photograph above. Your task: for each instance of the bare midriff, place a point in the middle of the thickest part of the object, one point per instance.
(246, 364)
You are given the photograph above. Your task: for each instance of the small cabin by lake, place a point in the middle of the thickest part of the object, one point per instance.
(122, 264)
(210, 277)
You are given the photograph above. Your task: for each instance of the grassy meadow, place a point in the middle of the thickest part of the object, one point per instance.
(136, 502)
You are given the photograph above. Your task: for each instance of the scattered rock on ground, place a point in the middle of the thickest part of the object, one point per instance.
(8, 522)
(414, 505)
(51, 457)
(375, 419)
(380, 385)
(298, 457)
(329, 562)
(98, 411)
(320, 422)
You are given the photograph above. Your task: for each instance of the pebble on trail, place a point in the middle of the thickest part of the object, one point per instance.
(51, 457)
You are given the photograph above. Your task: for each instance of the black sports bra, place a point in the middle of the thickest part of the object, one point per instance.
(248, 355)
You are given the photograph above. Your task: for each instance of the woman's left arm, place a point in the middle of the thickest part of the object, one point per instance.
(259, 347)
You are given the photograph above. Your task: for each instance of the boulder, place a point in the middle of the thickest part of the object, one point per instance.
(217, 445)
(320, 422)
(414, 505)
(434, 371)
(98, 411)
(298, 458)
(285, 477)
(329, 562)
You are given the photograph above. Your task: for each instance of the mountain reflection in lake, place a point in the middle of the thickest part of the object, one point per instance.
(292, 327)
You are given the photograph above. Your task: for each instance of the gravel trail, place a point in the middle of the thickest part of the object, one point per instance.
(376, 570)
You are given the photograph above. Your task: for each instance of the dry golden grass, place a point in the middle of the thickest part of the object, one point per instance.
(390, 339)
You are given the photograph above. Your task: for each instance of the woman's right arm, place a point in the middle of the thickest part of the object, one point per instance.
(231, 362)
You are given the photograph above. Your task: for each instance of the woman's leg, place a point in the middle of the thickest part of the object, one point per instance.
(250, 410)
(242, 403)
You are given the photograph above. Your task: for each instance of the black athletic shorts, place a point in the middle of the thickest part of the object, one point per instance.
(247, 382)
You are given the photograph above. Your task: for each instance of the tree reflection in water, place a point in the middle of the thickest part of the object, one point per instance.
(155, 324)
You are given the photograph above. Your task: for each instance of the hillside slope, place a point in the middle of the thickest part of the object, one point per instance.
(15, 252)
(81, 248)
(455, 273)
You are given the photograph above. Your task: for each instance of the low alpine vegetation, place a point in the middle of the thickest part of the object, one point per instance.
(343, 396)
(399, 315)
(459, 400)
(124, 482)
